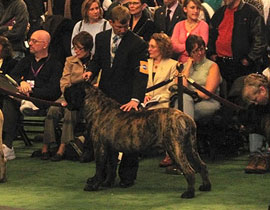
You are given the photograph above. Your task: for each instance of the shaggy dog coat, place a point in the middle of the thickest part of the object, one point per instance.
(113, 130)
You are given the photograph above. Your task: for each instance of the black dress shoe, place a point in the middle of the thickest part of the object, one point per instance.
(57, 157)
(45, 156)
(126, 184)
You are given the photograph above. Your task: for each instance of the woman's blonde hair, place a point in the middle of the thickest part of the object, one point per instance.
(85, 7)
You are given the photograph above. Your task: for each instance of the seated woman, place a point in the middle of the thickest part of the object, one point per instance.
(204, 72)
(7, 62)
(73, 71)
(160, 68)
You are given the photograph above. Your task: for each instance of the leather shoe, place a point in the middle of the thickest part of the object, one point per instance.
(261, 167)
(45, 156)
(57, 157)
(252, 165)
(167, 161)
(126, 184)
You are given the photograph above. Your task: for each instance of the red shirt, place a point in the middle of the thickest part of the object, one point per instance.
(225, 29)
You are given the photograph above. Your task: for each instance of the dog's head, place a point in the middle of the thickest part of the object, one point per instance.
(74, 95)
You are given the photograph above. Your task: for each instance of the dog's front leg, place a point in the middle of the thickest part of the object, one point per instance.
(94, 182)
(111, 167)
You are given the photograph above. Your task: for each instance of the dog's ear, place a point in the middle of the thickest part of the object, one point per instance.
(74, 96)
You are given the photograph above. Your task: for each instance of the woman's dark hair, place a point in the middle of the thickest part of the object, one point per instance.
(85, 39)
(164, 44)
(191, 42)
(7, 50)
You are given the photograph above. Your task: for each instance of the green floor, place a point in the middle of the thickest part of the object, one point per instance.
(36, 184)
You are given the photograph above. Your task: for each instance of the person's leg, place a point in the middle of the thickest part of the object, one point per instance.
(11, 115)
(69, 123)
(54, 115)
(205, 108)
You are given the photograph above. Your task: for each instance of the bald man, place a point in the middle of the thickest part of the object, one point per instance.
(38, 75)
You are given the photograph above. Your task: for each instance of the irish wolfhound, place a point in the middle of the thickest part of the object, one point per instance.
(2, 158)
(113, 130)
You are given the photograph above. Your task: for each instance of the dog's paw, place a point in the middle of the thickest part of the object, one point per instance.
(91, 187)
(206, 187)
(188, 194)
(108, 184)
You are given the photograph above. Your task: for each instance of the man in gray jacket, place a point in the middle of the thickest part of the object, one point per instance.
(13, 24)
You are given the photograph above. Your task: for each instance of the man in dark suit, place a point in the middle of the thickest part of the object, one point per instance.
(167, 16)
(118, 54)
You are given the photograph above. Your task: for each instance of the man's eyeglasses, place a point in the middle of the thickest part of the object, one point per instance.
(34, 41)
(199, 49)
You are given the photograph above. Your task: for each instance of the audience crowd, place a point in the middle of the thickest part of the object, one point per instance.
(47, 45)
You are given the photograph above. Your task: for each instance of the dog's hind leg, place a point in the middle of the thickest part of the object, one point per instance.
(180, 158)
(198, 165)
(201, 168)
(2, 158)
(111, 167)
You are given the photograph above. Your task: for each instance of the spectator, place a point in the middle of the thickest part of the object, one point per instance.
(13, 24)
(256, 91)
(192, 25)
(140, 22)
(70, 9)
(35, 9)
(92, 21)
(167, 16)
(7, 62)
(160, 68)
(73, 71)
(118, 54)
(38, 75)
(204, 72)
(237, 40)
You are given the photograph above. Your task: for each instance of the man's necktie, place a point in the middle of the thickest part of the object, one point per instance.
(114, 46)
(168, 20)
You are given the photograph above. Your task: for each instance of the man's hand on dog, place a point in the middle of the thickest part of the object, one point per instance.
(130, 105)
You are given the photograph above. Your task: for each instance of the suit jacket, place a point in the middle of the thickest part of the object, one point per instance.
(166, 70)
(123, 80)
(160, 19)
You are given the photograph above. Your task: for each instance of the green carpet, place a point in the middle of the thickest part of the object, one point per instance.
(36, 184)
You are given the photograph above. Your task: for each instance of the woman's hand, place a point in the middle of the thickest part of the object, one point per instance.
(86, 75)
(146, 98)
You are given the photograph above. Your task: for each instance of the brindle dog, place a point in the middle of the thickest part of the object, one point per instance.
(113, 130)
(2, 158)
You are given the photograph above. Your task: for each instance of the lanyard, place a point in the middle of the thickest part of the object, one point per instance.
(35, 73)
